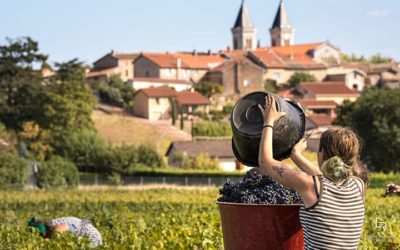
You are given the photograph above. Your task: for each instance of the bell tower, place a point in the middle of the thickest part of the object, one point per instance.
(282, 33)
(244, 32)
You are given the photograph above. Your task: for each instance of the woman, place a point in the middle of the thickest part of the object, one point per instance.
(333, 212)
(67, 224)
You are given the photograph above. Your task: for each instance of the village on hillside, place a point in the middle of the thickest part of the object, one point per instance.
(166, 84)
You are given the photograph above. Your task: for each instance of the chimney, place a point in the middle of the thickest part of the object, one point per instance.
(209, 52)
(194, 52)
(178, 63)
(228, 48)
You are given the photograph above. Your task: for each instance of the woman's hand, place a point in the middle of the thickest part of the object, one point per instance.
(270, 113)
(300, 147)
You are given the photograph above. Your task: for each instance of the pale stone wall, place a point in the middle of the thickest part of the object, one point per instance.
(126, 69)
(283, 75)
(141, 105)
(355, 80)
(143, 84)
(143, 67)
(326, 52)
(338, 99)
(159, 108)
(169, 73)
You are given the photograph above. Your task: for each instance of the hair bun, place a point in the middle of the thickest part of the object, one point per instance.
(335, 169)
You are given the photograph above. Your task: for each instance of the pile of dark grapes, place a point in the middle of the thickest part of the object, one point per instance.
(257, 188)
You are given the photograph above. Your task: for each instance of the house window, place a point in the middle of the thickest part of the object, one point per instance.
(169, 72)
(158, 100)
(287, 42)
(276, 76)
(245, 83)
(355, 86)
(147, 74)
(126, 73)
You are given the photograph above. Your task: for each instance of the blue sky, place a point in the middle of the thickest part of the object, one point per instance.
(88, 29)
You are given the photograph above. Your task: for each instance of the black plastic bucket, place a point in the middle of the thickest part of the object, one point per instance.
(247, 126)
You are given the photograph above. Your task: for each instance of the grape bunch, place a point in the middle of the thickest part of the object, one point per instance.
(257, 188)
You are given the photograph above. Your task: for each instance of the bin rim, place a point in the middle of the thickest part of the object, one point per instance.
(265, 205)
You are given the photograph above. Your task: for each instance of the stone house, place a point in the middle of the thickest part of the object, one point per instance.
(154, 103)
(322, 91)
(353, 78)
(191, 101)
(113, 63)
(320, 100)
(175, 66)
(238, 76)
(280, 63)
(317, 107)
(219, 149)
(381, 74)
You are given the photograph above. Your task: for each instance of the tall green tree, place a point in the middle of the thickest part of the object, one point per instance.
(70, 71)
(299, 77)
(375, 117)
(21, 88)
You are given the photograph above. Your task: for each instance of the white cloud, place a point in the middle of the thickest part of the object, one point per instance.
(377, 13)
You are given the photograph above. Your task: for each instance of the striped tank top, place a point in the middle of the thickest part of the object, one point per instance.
(335, 221)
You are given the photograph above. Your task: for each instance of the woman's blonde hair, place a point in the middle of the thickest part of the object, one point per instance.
(340, 149)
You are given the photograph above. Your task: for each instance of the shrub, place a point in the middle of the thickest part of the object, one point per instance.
(85, 148)
(227, 109)
(212, 129)
(126, 159)
(300, 77)
(200, 162)
(57, 173)
(149, 157)
(13, 170)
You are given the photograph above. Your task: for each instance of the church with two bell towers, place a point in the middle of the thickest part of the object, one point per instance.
(245, 33)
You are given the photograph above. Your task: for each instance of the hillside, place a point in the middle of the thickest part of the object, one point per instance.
(119, 130)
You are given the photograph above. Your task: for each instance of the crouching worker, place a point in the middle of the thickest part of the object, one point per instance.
(80, 227)
(392, 189)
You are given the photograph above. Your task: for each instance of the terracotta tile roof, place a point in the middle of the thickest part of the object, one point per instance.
(213, 148)
(228, 63)
(164, 60)
(313, 103)
(188, 61)
(301, 51)
(269, 58)
(291, 57)
(191, 98)
(199, 61)
(159, 92)
(321, 120)
(159, 80)
(327, 88)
